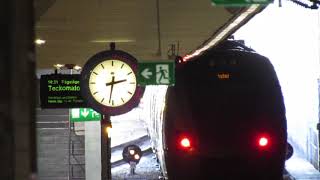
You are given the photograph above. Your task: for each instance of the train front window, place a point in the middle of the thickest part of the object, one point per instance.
(244, 88)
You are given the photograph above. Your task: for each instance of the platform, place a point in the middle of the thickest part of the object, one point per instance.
(300, 169)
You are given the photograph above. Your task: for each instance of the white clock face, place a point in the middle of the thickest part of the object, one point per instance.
(112, 83)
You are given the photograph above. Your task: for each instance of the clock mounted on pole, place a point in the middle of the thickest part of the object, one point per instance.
(109, 85)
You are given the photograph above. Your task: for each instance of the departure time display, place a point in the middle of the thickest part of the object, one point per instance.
(61, 91)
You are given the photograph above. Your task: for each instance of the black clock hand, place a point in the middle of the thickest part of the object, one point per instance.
(111, 83)
(115, 82)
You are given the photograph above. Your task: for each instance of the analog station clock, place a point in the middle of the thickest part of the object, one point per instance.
(109, 83)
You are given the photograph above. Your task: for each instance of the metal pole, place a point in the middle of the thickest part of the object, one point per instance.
(158, 27)
(105, 149)
(69, 144)
(109, 157)
(69, 140)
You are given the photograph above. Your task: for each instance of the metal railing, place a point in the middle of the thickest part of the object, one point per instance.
(76, 154)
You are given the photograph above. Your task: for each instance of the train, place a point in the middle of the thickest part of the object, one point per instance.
(223, 119)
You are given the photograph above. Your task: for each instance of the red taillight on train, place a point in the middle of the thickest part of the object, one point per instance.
(185, 142)
(263, 141)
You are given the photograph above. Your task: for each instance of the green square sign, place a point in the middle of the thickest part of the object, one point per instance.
(156, 73)
(84, 114)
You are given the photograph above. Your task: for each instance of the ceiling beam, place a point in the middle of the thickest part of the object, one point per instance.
(41, 7)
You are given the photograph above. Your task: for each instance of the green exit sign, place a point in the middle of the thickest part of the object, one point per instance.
(156, 73)
(240, 2)
(84, 114)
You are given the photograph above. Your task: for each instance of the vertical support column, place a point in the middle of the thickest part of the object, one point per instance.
(105, 149)
(93, 150)
(17, 77)
(318, 124)
(6, 125)
(69, 148)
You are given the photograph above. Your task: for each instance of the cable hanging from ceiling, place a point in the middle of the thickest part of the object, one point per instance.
(158, 28)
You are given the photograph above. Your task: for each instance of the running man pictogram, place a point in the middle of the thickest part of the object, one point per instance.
(162, 74)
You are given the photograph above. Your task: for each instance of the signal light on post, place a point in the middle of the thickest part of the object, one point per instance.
(132, 155)
(136, 157)
(131, 151)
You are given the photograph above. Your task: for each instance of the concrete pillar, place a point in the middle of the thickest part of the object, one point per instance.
(17, 78)
(6, 126)
(93, 150)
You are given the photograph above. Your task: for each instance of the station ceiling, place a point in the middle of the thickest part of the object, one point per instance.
(74, 30)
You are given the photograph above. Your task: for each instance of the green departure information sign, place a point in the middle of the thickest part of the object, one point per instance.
(61, 91)
(240, 2)
(156, 73)
(84, 114)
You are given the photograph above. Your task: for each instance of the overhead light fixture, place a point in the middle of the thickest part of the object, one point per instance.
(225, 32)
(58, 66)
(114, 40)
(68, 66)
(40, 41)
(76, 67)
